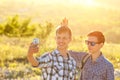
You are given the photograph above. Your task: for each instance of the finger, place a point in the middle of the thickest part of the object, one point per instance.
(64, 22)
(34, 44)
(34, 48)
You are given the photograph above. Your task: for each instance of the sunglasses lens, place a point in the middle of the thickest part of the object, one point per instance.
(92, 43)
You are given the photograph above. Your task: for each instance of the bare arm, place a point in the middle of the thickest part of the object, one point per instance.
(32, 49)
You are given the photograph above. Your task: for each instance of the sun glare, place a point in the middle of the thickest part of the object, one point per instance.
(85, 2)
(89, 2)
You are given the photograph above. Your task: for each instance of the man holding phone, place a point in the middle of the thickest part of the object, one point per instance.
(58, 64)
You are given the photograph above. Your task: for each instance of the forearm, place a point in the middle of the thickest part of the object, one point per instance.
(32, 60)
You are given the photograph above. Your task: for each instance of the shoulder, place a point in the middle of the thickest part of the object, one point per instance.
(107, 63)
(77, 54)
(46, 54)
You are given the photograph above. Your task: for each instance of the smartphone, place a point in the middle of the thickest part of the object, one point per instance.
(36, 41)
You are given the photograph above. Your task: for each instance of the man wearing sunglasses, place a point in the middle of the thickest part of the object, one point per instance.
(96, 67)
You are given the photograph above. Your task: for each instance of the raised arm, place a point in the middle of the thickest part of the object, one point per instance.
(32, 49)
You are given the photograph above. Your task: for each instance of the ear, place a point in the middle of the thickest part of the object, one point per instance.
(101, 45)
(70, 39)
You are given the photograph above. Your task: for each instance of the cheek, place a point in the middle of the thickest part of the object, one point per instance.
(57, 41)
(68, 41)
(96, 48)
(91, 47)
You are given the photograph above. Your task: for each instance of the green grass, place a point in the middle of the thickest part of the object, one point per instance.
(13, 56)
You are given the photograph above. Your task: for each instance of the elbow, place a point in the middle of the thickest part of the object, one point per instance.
(35, 64)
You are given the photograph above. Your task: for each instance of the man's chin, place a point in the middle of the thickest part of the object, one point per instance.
(61, 48)
(90, 51)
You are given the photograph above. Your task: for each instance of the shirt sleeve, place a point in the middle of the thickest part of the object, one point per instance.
(110, 72)
(77, 56)
(45, 60)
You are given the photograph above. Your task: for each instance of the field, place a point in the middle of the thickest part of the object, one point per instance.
(14, 64)
(82, 20)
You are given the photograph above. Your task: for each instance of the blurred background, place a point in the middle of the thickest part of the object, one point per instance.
(23, 20)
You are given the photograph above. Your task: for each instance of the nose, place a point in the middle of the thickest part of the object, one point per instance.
(60, 40)
(89, 45)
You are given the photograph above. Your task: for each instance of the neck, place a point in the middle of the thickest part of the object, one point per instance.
(95, 55)
(63, 52)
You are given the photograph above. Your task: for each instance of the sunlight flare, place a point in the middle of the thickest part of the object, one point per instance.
(85, 2)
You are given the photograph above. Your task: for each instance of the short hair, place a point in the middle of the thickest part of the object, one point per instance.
(64, 29)
(99, 35)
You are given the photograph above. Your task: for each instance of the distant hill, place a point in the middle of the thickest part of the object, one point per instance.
(81, 19)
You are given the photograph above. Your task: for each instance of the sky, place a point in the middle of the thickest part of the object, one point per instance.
(114, 3)
(111, 3)
(79, 12)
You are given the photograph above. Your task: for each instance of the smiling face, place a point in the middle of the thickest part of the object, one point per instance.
(63, 37)
(62, 40)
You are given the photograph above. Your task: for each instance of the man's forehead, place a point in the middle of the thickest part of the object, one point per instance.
(93, 38)
(62, 33)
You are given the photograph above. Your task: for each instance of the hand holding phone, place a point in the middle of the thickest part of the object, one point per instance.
(36, 41)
